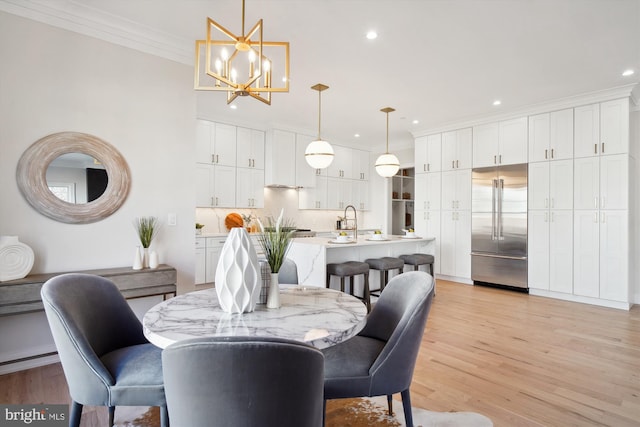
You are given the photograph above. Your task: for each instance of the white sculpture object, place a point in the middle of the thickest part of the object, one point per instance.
(16, 258)
(237, 280)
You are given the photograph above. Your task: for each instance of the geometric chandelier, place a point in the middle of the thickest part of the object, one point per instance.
(242, 65)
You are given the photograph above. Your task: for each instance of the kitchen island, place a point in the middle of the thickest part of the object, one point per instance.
(312, 254)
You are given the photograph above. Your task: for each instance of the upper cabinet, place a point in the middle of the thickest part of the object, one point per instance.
(280, 158)
(215, 143)
(501, 143)
(602, 128)
(428, 153)
(360, 165)
(551, 136)
(249, 148)
(456, 149)
(305, 174)
(341, 166)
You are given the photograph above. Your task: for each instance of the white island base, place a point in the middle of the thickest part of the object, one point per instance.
(312, 254)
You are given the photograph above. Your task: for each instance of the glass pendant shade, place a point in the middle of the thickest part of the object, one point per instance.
(387, 165)
(319, 154)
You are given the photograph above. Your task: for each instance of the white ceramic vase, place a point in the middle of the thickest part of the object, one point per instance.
(16, 258)
(237, 280)
(137, 259)
(273, 298)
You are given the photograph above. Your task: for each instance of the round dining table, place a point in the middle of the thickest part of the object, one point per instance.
(314, 315)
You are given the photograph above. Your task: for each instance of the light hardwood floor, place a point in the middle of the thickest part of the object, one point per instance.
(518, 359)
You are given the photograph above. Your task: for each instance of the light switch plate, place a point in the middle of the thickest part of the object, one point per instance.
(172, 219)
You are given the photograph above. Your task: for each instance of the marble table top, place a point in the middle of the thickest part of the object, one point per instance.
(318, 316)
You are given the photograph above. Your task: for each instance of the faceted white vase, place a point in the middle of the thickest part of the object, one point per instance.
(16, 258)
(238, 273)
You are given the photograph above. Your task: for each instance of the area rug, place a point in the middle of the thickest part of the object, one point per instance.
(365, 412)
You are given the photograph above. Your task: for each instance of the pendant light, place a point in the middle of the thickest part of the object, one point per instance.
(319, 153)
(387, 164)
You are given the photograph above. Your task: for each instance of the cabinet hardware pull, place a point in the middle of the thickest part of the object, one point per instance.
(428, 167)
(495, 161)
(213, 158)
(212, 202)
(453, 164)
(457, 164)
(545, 154)
(602, 151)
(595, 202)
(552, 155)
(595, 148)
(249, 162)
(500, 159)
(216, 201)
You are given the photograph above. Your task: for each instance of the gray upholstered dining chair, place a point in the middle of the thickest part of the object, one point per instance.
(288, 273)
(106, 359)
(380, 360)
(243, 382)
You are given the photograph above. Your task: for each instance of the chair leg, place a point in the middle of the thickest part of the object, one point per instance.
(390, 404)
(112, 413)
(164, 417)
(76, 413)
(324, 411)
(406, 405)
(367, 293)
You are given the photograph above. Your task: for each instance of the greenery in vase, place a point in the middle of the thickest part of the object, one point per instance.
(147, 227)
(275, 239)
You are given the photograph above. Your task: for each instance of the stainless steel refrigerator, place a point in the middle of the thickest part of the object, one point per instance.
(499, 226)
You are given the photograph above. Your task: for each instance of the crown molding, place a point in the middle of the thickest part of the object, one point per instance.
(626, 91)
(74, 16)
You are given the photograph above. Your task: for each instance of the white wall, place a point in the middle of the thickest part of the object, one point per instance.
(52, 80)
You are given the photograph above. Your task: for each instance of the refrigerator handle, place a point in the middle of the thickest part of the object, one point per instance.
(494, 187)
(500, 194)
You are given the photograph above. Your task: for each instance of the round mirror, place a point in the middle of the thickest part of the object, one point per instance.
(77, 178)
(49, 177)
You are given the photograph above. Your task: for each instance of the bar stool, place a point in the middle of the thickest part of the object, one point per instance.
(416, 260)
(351, 269)
(383, 265)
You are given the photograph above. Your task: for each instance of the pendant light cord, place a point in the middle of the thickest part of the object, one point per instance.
(387, 134)
(319, 112)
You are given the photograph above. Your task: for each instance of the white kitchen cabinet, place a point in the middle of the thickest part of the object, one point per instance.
(215, 143)
(601, 254)
(602, 129)
(550, 250)
(201, 262)
(456, 190)
(551, 136)
(338, 193)
(455, 248)
(305, 174)
(214, 247)
(551, 185)
(360, 165)
(501, 143)
(427, 224)
(602, 182)
(249, 148)
(249, 188)
(280, 158)
(427, 153)
(360, 194)
(428, 191)
(341, 167)
(215, 186)
(314, 197)
(457, 149)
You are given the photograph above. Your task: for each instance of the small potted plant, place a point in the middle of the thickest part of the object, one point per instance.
(199, 228)
(147, 228)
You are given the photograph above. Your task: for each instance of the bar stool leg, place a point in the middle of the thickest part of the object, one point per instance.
(328, 280)
(367, 293)
(341, 283)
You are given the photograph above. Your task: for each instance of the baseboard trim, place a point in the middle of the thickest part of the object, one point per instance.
(10, 366)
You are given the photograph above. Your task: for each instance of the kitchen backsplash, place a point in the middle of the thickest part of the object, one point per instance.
(276, 199)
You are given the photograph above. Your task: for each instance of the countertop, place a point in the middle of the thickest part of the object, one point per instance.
(362, 241)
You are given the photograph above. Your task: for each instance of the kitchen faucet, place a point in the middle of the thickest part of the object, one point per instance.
(355, 220)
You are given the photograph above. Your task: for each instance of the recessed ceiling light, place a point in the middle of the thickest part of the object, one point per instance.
(497, 102)
(415, 122)
(627, 73)
(372, 35)
(233, 106)
(357, 135)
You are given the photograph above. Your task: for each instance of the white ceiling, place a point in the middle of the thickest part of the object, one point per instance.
(437, 61)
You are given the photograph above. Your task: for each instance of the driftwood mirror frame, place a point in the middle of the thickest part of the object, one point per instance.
(32, 181)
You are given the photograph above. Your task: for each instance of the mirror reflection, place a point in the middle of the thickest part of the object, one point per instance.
(77, 178)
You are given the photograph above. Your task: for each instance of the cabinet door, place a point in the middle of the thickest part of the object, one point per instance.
(243, 148)
(539, 138)
(420, 156)
(204, 185)
(249, 188)
(212, 257)
(433, 184)
(463, 244)
(538, 183)
(225, 145)
(586, 130)
(513, 142)
(465, 148)
(448, 190)
(614, 126)
(225, 186)
(360, 164)
(448, 243)
(420, 191)
(586, 183)
(204, 142)
(463, 189)
(538, 249)
(586, 259)
(449, 151)
(257, 148)
(341, 165)
(485, 145)
(338, 193)
(561, 135)
(614, 182)
(614, 255)
(560, 184)
(305, 174)
(560, 251)
(434, 153)
(280, 159)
